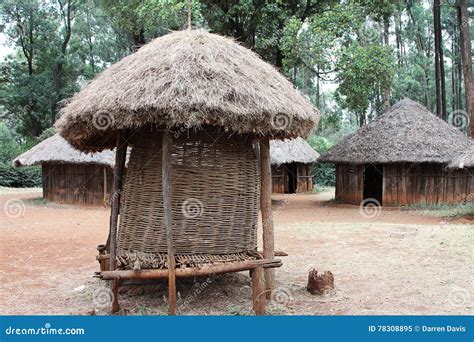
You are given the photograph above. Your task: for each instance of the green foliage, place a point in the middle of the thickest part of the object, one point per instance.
(364, 71)
(11, 145)
(325, 174)
(27, 177)
(333, 51)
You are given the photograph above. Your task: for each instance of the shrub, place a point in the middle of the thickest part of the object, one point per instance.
(325, 174)
(24, 177)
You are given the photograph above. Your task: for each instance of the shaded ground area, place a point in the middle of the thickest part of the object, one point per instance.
(388, 262)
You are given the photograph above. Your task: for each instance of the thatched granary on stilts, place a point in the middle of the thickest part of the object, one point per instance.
(68, 175)
(400, 159)
(292, 165)
(190, 104)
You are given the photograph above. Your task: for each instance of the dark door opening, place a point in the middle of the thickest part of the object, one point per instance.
(373, 182)
(292, 172)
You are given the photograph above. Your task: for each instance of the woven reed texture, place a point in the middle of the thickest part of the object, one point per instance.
(138, 260)
(215, 194)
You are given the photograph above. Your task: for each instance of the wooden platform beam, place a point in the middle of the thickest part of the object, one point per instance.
(190, 271)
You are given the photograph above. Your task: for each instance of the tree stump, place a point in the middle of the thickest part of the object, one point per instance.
(319, 284)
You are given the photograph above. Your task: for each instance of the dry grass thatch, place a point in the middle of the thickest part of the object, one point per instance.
(187, 78)
(58, 150)
(464, 159)
(408, 132)
(292, 151)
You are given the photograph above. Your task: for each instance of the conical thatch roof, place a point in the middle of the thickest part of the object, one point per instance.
(57, 150)
(292, 151)
(408, 132)
(464, 160)
(187, 78)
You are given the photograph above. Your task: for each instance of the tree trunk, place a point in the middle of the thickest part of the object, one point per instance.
(453, 73)
(422, 48)
(59, 65)
(386, 90)
(398, 37)
(439, 63)
(466, 57)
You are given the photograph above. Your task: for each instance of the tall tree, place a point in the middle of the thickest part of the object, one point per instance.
(423, 45)
(439, 63)
(67, 9)
(24, 90)
(466, 56)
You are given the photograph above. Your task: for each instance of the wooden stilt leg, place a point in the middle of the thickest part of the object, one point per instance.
(111, 245)
(115, 304)
(258, 291)
(266, 209)
(166, 187)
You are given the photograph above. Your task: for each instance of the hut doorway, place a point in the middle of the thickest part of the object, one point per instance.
(373, 182)
(292, 171)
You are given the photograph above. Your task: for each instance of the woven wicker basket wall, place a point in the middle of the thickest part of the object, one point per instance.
(215, 194)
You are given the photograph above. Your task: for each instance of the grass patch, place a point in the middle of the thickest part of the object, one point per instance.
(38, 201)
(445, 210)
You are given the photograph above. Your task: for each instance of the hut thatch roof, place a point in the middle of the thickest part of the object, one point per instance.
(189, 78)
(464, 159)
(57, 150)
(408, 132)
(292, 151)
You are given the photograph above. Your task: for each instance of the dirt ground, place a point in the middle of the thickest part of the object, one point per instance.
(388, 262)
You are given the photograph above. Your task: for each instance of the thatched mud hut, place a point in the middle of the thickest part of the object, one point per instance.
(292, 165)
(400, 159)
(68, 175)
(190, 104)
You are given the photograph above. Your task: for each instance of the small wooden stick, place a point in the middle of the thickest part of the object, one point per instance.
(166, 184)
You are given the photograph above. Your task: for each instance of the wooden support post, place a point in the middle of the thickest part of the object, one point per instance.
(258, 291)
(166, 185)
(105, 183)
(266, 209)
(120, 156)
(115, 286)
